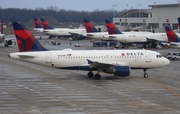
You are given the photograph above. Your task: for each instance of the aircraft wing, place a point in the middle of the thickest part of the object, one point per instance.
(74, 33)
(77, 34)
(153, 40)
(95, 64)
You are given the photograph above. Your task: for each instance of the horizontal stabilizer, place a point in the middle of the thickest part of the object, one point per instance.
(26, 56)
(112, 36)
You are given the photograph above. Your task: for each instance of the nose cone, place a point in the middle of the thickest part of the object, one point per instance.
(166, 62)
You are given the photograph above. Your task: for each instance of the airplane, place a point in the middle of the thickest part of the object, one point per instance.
(92, 32)
(37, 26)
(117, 62)
(173, 38)
(2, 36)
(61, 32)
(152, 39)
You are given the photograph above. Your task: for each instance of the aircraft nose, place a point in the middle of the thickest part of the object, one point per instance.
(166, 61)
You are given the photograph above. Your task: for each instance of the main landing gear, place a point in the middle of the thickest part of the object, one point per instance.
(91, 75)
(145, 73)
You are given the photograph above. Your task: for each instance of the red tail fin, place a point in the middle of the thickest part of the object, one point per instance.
(26, 41)
(45, 24)
(37, 23)
(111, 28)
(89, 26)
(172, 36)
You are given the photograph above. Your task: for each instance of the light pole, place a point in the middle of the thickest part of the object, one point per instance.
(178, 8)
(137, 4)
(156, 13)
(178, 2)
(127, 10)
(115, 5)
(139, 10)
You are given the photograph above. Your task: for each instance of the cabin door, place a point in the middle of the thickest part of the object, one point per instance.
(107, 57)
(48, 57)
(148, 57)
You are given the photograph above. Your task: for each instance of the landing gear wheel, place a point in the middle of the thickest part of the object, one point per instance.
(5, 45)
(97, 76)
(145, 75)
(90, 74)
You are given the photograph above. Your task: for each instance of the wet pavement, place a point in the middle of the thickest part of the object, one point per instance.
(27, 88)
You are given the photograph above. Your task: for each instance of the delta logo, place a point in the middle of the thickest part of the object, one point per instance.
(132, 54)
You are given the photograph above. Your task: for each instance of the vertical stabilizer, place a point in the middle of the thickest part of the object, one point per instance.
(111, 28)
(26, 41)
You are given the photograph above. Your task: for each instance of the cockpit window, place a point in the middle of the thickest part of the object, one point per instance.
(158, 56)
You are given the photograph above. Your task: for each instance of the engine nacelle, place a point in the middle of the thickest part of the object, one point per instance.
(9, 42)
(122, 71)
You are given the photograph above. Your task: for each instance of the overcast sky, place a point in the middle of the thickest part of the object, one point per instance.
(86, 5)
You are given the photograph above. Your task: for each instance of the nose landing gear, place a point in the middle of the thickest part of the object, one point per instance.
(145, 73)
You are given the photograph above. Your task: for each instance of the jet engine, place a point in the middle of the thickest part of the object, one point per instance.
(122, 71)
(7, 43)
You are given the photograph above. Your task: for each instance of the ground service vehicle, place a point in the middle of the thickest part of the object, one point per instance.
(173, 55)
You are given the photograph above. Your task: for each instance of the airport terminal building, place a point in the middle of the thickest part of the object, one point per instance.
(155, 18)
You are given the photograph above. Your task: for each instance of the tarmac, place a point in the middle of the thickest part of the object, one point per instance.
(27, 88)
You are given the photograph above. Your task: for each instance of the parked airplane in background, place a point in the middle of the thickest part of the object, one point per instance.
(173, 38)
(152, 39)
(61, 32)
(115, 34)
(2, 37)
(37, 26)
(92, 32)
(117, 62)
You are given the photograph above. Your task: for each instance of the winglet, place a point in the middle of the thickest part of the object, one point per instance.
(26, 41)
(172, 36)
(45, 24)
(111, 28)
(89, 26)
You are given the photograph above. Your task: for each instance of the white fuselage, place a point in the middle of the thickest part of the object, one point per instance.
(2, 38)
(64, 31)
(102, 35)
(38, 30)
(97, 35)
(130, 37)
(136, 59)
